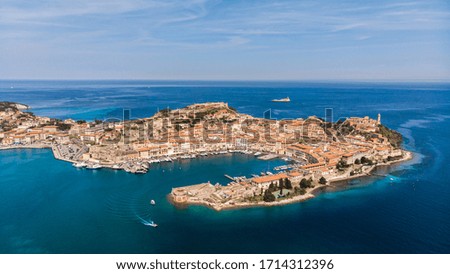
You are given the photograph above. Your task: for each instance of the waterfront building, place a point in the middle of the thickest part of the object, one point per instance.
(264, 182)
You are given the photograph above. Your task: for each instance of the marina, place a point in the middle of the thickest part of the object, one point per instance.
(309, 165)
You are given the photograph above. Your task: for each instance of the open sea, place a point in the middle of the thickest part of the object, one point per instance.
(48, 206)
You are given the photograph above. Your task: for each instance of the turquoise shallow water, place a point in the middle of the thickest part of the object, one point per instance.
(47, 206)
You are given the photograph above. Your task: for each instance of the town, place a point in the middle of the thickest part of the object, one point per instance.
(317, 152)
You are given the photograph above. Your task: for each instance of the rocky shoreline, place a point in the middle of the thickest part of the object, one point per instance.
(310, 194)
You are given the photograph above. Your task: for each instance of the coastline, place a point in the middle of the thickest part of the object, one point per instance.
(310, 194)
(29, 146)
(318, 162)
(55, 151)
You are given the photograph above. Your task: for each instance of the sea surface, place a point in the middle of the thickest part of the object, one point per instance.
(48, 206)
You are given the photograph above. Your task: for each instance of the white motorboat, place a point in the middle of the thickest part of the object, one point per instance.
(79, 164)
(96, 166)
(152, 224)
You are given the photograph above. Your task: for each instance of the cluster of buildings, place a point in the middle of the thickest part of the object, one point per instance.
(22, 128)
(325, 152)
(319, 149)
(199, 128)
(204, 128)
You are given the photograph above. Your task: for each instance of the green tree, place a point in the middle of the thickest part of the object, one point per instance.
(280, 185)
(305, 183)
(341, 165)
(322, 180)
(300, 191)
(165, 112)
(393, 136)
(63, 127)
(287, 183)
(268, 196)
(357, 162)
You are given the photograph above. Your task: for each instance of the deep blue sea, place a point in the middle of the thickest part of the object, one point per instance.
(47, 206)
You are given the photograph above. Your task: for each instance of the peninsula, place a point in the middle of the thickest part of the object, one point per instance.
(317, 152)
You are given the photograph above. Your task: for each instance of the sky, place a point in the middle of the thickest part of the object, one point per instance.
(367, 40)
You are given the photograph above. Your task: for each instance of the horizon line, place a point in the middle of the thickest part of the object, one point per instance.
(443, 81)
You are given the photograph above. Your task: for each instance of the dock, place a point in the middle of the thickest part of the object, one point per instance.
(229, 177)
(268, 157)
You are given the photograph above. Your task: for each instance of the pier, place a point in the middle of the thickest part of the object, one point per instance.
(229, 177)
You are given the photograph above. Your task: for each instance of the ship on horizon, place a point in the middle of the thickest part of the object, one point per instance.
(282, 100)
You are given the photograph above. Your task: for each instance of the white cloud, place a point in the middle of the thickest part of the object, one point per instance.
(279, 28)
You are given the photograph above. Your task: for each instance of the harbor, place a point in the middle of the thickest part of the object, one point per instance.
(314, 158)
(142, 166)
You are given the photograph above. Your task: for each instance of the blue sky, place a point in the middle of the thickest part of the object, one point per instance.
(225, 40)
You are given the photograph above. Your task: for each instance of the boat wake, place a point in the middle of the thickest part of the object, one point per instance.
(393, 179)
(129, 207)
(147, 223)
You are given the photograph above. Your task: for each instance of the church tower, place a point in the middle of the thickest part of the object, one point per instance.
(379, 119)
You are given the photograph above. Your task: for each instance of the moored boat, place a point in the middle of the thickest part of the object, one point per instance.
(79, 164)
(96, 166)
